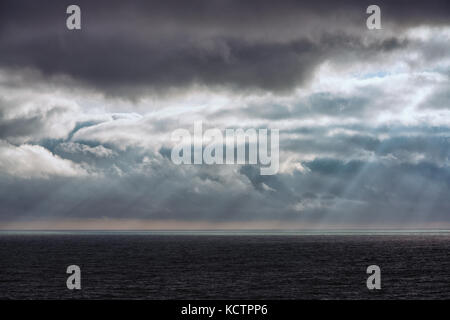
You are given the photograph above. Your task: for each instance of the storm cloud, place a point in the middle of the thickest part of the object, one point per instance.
(86, 116)
(130, 47)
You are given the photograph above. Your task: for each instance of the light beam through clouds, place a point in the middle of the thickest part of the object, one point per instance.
(86, 118)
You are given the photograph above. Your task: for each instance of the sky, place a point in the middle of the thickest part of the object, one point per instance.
(86, 116)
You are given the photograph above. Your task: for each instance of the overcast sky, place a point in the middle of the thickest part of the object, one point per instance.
(86, 116)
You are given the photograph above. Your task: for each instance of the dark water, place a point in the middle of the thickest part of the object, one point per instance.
(143, 266)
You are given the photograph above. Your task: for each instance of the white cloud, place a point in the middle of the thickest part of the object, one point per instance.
(32, 161)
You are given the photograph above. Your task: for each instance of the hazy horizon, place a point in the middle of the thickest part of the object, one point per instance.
(120, 225)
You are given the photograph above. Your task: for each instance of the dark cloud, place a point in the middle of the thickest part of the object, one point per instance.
(124, 46)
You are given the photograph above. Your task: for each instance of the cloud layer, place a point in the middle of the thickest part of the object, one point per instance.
(86, 116)
(137, 45)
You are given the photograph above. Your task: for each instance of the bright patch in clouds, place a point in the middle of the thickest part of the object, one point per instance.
(364, 117)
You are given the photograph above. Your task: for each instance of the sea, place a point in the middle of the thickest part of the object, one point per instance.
(236, 265)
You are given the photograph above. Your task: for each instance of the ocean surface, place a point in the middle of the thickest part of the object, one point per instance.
(224, 265)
